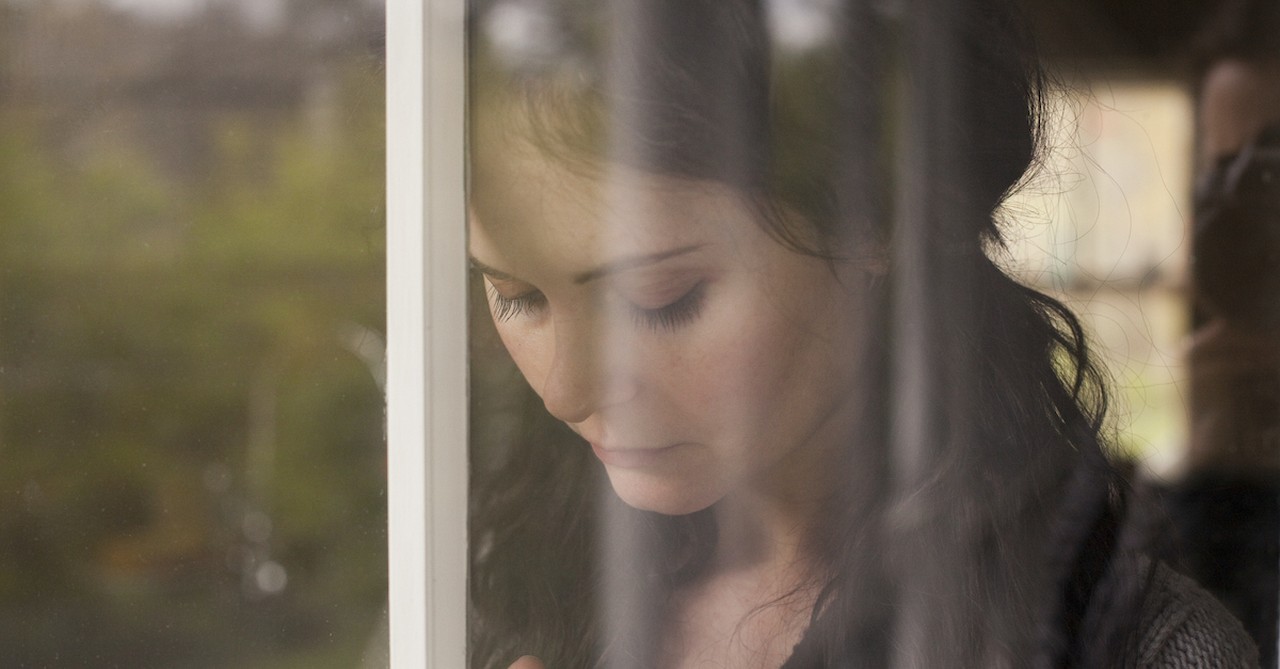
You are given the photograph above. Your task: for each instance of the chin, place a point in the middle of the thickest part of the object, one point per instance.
(660, 494)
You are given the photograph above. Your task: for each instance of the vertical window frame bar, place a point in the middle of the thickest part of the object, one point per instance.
(426, 332)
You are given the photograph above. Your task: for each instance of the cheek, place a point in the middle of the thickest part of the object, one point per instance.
(758, 369)
(736, 367)
(529, 349)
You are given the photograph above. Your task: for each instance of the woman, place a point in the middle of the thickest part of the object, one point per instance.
(831, 431)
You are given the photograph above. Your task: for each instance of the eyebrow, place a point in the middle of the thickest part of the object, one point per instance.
(613, 267)
(632, 262)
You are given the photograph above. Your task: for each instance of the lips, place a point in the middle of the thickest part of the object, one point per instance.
(632, 458)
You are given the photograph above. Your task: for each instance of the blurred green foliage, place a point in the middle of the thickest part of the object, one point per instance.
(181, 400)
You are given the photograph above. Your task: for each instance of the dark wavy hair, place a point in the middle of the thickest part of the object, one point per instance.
(981, 524)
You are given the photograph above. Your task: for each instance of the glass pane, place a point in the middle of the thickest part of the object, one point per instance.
(815, 333)
(191, 318)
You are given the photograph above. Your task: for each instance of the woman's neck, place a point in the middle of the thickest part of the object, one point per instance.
(753, 603)
(762, 535)
(771, 523)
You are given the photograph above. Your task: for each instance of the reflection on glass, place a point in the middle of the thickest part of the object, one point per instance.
(191, 318)
(751, 387)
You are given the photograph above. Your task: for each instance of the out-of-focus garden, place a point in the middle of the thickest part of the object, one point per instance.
(192, 462)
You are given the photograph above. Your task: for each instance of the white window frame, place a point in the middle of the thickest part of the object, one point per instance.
(426, 333)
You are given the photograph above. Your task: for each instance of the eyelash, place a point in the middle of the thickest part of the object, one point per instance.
(667, 318)
(506, 308)
(674, 315)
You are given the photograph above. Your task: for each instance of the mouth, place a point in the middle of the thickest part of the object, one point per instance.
(632, 458)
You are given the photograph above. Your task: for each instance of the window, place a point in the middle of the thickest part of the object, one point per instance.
(191, 325)
(642, 273)
(427, 336)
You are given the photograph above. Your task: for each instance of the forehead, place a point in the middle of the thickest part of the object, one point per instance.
(526, 200)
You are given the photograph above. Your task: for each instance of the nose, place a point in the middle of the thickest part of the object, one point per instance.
(585, 374)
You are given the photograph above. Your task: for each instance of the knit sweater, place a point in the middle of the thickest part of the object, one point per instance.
(1182, 627)
(1185, 627)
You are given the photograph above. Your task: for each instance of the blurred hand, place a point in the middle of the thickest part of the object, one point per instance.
(528, 662)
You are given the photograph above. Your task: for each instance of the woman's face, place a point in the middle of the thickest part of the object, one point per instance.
(700, 358)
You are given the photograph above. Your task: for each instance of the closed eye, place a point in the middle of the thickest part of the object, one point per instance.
(674, 315)
(506, 308)
(667, 318)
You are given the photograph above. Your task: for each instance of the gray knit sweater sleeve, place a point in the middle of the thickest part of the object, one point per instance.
(1184, 626)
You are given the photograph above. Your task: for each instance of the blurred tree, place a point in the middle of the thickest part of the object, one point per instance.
(194, 470)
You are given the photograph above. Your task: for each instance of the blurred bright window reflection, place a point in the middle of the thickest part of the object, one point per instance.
(1105, 225)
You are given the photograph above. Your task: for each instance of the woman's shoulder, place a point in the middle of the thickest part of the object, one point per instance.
(1184, 626)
